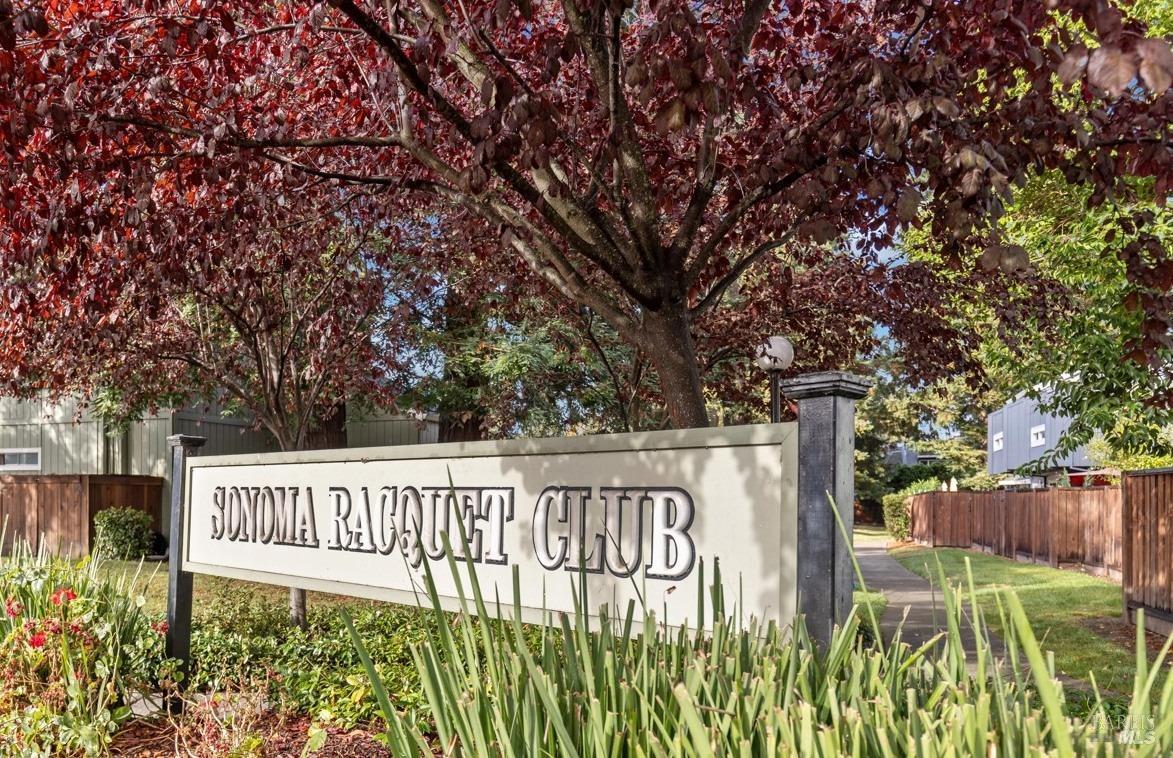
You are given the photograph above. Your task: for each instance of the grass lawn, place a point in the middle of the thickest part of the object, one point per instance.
(152, 585)
(1073, 614)
(870, 533)
(866, 534)
(877, 600)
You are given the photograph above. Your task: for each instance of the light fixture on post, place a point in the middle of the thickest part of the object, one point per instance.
(774, 356)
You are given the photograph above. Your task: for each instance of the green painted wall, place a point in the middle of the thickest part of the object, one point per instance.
(76, 443)
(380, 431)
(70, 443)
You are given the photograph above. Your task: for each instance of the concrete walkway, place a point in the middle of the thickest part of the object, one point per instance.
(909, 593)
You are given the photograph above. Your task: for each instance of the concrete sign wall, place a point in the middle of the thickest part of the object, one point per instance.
(638, 513)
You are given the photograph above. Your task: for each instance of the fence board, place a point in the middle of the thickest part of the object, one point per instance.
(1151, 567)
(1080, 526)
(1160, 576)
(1147, 516)
(57, 512)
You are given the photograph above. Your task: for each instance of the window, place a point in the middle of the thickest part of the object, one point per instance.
(1038, 435)
(20, 459)
(999, 441)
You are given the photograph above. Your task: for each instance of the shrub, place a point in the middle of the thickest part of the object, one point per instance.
(981, 482)
(902, 477)
(234, 723)
(897, 519)
(242, 642)
(76, 649)
(1104, 455)
(747, 690)
(122, 534)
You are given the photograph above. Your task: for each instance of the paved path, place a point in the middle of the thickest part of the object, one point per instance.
(907, 592)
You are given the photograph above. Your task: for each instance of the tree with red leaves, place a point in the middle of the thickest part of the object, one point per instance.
(275, 307)
(280, 313)
(640, 159)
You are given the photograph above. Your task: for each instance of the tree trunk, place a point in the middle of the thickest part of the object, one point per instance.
(456, 428)
(672, 353)
(297, 607)
(329, 434)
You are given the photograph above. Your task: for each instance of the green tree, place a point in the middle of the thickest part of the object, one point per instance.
(946, 418)
(1104, 455)
(1108, 367)
(1091, 353)
(514, 366)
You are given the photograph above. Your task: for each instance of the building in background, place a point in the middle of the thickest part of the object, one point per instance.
(1020, 438)
(39, 437)
(906, 454)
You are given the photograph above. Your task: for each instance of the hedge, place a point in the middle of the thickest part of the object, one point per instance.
(897, 519)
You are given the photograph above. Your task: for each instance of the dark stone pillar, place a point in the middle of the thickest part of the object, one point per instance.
(826, 473)
(179, 582)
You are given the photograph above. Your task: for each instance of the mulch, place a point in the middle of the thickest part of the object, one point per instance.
(1116, 629)
(340, 744)
(143, 737)
(285, 738)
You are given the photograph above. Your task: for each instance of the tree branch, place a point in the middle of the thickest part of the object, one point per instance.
(702, 191)
(730, 219)
(747, 27)
(589, 319)
(249, 143)
(631, 160)
(717, 290)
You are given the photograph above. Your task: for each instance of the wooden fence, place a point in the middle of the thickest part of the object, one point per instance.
(1148, 546)
(1057, 526)
(58, 511)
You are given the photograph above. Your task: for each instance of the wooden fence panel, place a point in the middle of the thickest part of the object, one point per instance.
(1113, 525)
(1058, 526)
(58, 501)
(139, 492)
(1165, 527)
(56, 511)
(1147, 515)
(18, 510)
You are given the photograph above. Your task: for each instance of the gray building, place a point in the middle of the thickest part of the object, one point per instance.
(1019, 435)
(906, 454)
(39, 437)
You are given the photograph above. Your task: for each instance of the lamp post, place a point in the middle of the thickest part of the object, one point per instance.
(774, 356)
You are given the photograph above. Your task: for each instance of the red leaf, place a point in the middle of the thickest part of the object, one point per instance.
(1110, 69)
(1156, 64)
(1073, 65)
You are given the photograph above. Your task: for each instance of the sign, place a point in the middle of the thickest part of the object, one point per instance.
(638, 514)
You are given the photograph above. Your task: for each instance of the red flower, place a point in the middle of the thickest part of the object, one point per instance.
(13, 607)
(52, 626)
(63, 595)
(75, 627)
(37, 640)
(160, 626)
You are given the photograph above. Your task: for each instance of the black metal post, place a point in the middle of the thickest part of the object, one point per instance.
(775, 398)
(178, 581)
(826, 474)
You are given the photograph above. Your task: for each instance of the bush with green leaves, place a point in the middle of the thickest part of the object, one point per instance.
(76, 650)
(122, 534)
(244, 642)
(897, 519)
(902, 477)
(747, 689)
(980, 482)
(240, 642)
